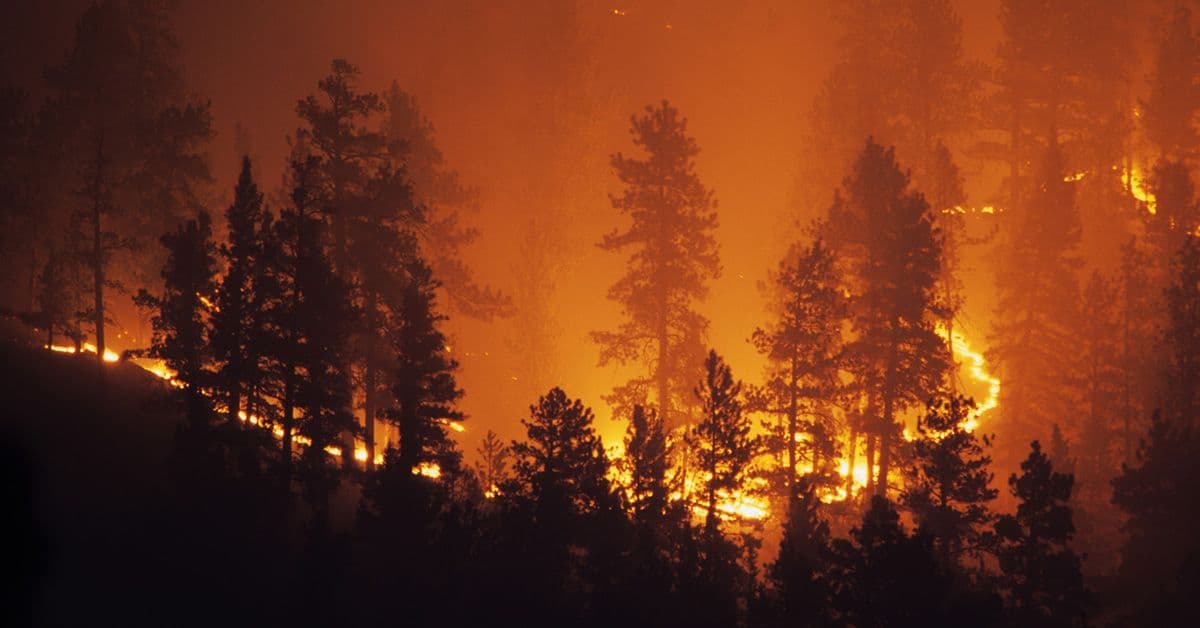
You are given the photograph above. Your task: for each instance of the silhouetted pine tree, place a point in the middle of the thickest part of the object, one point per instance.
(409, 516)
(135, 140)
(561, 485)
(723, 450)
(424, 391)
(1157, 576)
(236, 316)
(661, 527)
(885, 232)
(309, 319)
(1041, 575)
(803, 346)
(324, 319)
(647, 463)
(180, 319)
(724, 447)
(948, 487)
(800, 574)
(57, 298)
(1157, 579)
(884, 577)
(492, 466)
(366, 199)
(673, 255)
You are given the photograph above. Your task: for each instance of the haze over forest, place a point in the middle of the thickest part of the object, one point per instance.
(742, 291)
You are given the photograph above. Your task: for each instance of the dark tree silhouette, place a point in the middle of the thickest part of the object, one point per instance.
(884, 230)
(724, 447)
(310, 317)
(948, 489)
(803, 346)
(673, 256)
(1041, 575)
(237, 318)
(1157, 580)
(366, 199)
(646, 461)
(492, 465)
(425, 390)
(800, 573)
(884, 577)
(561, 484)
(180, 319)
(1157, 575)
(135, 140)
(562, 466)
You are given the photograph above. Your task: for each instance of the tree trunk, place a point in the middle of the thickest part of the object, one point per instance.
(664, 392)
(370, 400)
(289, 410)
(851, 460)
(98, 276)
(791, 435)
(235, 402)
(369, 410)
(870, 463)
(885, 438)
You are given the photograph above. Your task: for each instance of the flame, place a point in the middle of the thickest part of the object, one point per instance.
(457, 426)
(1135, 180)
(109, 355)
(1072, 178)
(738, 505)
(977, 368)
(360, 454)
(960, 209)
(428, 469)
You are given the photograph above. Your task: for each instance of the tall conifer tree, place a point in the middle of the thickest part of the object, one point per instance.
(672, 256)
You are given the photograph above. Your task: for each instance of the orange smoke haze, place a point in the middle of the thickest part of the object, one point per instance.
(529, 100)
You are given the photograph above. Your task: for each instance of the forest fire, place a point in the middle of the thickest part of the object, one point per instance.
(87, 347)
(975, 366)
(554, 312)
(1135, 180)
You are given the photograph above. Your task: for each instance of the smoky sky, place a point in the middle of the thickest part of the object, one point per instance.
(529, 100)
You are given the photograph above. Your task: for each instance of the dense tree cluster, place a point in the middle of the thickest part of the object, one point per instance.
(316, 478)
